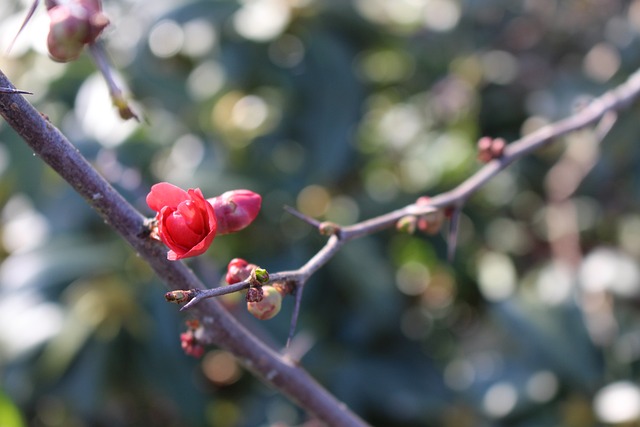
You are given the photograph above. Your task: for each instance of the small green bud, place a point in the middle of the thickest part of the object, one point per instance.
(261, 275)
(407, 224)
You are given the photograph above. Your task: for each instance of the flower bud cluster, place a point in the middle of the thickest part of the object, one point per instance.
(189, 340)
(73, 24)
(490, 148)
(429, 223)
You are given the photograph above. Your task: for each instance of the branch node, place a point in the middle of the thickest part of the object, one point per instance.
(328, 228)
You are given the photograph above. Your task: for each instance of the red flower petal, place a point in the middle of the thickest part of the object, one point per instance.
(165, 194)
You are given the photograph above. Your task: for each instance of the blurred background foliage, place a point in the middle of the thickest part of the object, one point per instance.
(345, 110)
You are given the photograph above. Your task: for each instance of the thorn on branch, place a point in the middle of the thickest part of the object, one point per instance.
(452, 237)
(296, 312)
(12, 91)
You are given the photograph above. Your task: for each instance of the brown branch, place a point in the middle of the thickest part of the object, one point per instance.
(220, 327)
(602, 107)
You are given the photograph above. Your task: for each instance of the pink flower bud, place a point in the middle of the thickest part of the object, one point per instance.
(190, 344)
(238, 270)
(74, 24)
(268, 306)
(235, 209)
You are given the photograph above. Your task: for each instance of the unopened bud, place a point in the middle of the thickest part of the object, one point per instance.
(73, 25)
(180, 296)
(490, 149)
(260, 275)
(235, 209)
(407, 224)
(431, 223)
(238, 270)
(268, 306)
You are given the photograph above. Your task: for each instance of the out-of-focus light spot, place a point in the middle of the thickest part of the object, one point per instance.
(618, 32)
(400, 124)
(313, 201)
(288, 156)
(542, 103)
(499, 67)
(419, 168)
(468, 69)
(199, 37)
(629, 234)
(385, 66)
(262, 20)
(459, 374)
(35, 38)
(221, 368)
(618, 403)
(187, 152)
(416, 323)
(441, 15)
(26, 322)
(439, 294)
(542, 386)
(24, 228)
(435, 15)
(633, 15)
(500, 399)
(343, 210)
(452, 149)
(496, 276)
(588, 212)
(627, 347)
(250, 112)
(206, 80)
(166, 38)
(610, 270)
(287, 51)
(221, 412)
(244, 117)
(555, 284)
(381, 185)
(601, 62)
(506, 235)
(500, 190)
(98, 117)
(412, 278)
(129, 33)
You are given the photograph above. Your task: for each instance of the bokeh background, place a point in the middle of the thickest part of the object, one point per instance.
(345, 110)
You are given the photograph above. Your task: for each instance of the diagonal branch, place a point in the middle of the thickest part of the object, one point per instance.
(219, 326)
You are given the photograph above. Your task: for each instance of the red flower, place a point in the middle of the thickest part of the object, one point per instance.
(186, 221)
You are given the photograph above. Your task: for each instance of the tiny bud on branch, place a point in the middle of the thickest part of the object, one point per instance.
(180, 296)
